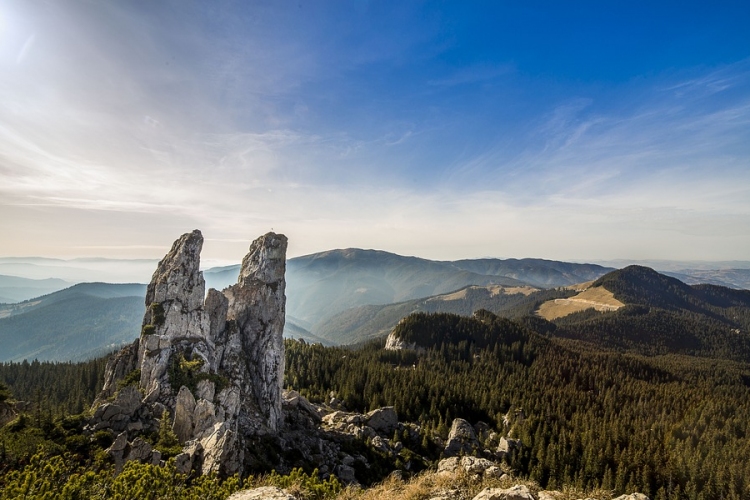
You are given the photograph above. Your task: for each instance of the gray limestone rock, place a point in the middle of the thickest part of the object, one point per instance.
(119, 414)
(345, 473)
(257, 307)
(204, 418)
(292, 399)
(183, 463)
(448, 465)
(183, 414)
(632, 496)
(461, 438)
(139, 450)
(118, 449)
(506, 446)
(263, 493)
(220, 452)
(224, 354)
(118, 366)
(472, 465)
(517, 492)
(383, 420)
(175, 320)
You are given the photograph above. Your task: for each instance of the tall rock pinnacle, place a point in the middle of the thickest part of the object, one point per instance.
(257, 310)
(174, 318)
(216, 366)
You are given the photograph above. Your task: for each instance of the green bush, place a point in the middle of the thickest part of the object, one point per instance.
(182, 371)
(132, 378)
(314, 487)
(157, 314)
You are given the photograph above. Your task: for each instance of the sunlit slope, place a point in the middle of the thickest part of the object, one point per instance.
(597, 298)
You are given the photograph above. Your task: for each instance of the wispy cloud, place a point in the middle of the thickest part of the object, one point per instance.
(141, 124)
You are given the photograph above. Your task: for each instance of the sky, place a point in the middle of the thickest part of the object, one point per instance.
(446, 130)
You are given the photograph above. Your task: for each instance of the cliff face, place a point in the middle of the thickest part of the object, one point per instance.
(215, 366)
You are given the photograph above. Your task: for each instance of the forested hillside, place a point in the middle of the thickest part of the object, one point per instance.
(664, 315)
(670, 426)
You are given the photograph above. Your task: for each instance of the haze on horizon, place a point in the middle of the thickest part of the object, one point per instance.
(433, 129)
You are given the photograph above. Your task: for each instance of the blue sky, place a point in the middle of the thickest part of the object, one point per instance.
(577, 131)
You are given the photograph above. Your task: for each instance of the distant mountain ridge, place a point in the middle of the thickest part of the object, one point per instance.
(325, 284)
(15, 289)
(81, 322)
(536, 272)
(664, 315)
(349, 295)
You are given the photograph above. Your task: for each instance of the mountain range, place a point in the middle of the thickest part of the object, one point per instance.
(81, 322)
(334, 297)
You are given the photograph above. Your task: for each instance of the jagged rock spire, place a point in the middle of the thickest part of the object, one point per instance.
(174, 319)
(178, 276)
(215, 365)
(257, 309)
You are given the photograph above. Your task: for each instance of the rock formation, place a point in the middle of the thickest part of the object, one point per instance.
(461, 439)
(214, 363)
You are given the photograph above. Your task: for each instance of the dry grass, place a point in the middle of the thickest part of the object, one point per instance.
(525, 290)
(579, 287)
(598, 298)
(493, 289)
(461, 485)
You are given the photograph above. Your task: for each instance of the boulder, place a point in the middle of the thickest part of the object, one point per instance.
(345, 473)
(383, 420)
(507, 446)
(474, 465)
(293, 400)
(632, 496)
(118, 449)
(448, 465)
(517, 492)
(183, 414)
(263, 493)
(461, 438)
(140, 450)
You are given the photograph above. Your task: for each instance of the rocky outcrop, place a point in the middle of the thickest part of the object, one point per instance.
(480, 467)
(382, 420)
(175, 323)
(118, 367)
(395, 343)
(253, 353)
(262, 493)
(517, 492)
(214, 362)
(461, 439)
